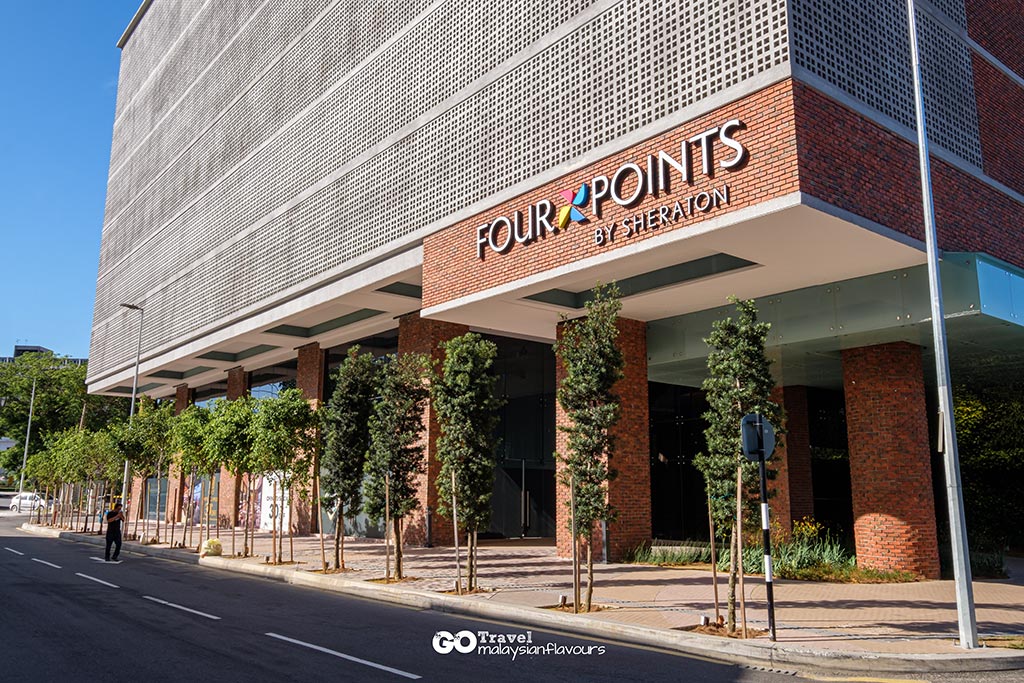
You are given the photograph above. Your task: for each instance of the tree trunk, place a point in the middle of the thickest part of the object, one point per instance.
(280, 528)
(202, 511)
(455, 528)
(319, 516)
(575, 548)
(470, 569)
(291, 525)
(590, 574)
(273, 525)
(739, 545)
(714, 560)
(397, 521)
(158, 468)
(387, 529)
(731, 600)
(339, 535)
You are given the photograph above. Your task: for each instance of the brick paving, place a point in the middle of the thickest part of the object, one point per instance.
(915, 617)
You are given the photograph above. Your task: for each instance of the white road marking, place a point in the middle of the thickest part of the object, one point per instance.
(16, 552)
(49, 564)
(182, 608)
(342, 655)
(93, 578)
(100, 559)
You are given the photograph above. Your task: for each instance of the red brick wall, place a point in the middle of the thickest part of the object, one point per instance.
(890, 459)
(183, 398)
(793, 488)
(1000, 119)
(998, 26)
(630, 491)
(422, 335)
(239, 385)
(452, 268)
(857, 165)
(311, 379)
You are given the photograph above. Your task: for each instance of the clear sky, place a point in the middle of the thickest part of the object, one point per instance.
(58, 64)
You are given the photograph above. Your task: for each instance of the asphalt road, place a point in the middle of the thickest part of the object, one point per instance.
(68, 616)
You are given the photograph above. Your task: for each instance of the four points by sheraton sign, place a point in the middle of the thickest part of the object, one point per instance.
(627, 186)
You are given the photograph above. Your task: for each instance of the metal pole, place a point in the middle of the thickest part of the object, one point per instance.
(951, 459)
(28, 433)
(766, 534)
(135, 387)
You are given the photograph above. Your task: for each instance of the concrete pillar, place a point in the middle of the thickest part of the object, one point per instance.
(890, 459)
(421, 335)
(311, 379)
(793, 488)
(630, 491)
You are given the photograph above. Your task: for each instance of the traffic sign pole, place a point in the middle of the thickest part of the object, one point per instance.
(765, 530)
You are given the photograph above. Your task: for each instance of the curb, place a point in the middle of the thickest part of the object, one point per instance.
(755, 653)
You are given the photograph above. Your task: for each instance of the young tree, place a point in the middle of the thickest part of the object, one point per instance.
(467, 412)
(346, 433)
(154, 427)
(395, 456)
(284, 439)
(739, 382)
(190, 433)
(229, 440)
(593, 364)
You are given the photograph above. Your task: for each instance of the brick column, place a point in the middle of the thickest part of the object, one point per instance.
(421, 335)
(890, 459)
(793, 489)
(311, 379)
(630, 491)
(183, 398)
(239, 385)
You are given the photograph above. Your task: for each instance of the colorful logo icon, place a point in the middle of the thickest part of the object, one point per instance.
(571, 212)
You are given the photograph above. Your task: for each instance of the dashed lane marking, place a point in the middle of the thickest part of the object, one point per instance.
(860, 679)
(93, 578)
(16, 552)
(181, 607)
(342, 655)
(48, 564)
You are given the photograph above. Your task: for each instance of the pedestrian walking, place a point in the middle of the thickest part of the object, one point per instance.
(114, 519)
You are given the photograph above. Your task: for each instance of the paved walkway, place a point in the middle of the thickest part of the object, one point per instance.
(907, 618)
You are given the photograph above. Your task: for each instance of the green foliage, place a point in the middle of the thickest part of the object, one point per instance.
(284, 437)
(189, 438)
(467, 411)
(991, 447)
(346, 431)
(395, 426)
(593, 364)
(60, 396)
(226, 433)
(739, 382)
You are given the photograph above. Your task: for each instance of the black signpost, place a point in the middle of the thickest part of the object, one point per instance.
(757, 440)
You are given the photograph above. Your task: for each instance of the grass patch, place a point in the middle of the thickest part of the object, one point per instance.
(1012, 642)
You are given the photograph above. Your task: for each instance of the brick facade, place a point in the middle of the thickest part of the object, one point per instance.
(855, 164)
(998, 26)
(452, 268)
(239, 385)
(890, 459)
(422, 335)
(311, 379)
(183, 398)
(792, 496)
(630, 491)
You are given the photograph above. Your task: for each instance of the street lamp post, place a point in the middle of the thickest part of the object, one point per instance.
(135, 387)
(947, 428)
(28, 433)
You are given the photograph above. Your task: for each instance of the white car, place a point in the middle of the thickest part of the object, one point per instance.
(29, 502)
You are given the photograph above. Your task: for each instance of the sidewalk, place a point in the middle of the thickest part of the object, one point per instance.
(892, 627)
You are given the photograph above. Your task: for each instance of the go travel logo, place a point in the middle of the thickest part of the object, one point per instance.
(504, 644)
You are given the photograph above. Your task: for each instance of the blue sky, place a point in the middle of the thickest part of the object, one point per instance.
(58, 64)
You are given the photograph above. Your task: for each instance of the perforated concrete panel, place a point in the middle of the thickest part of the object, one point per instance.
(270, 142)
